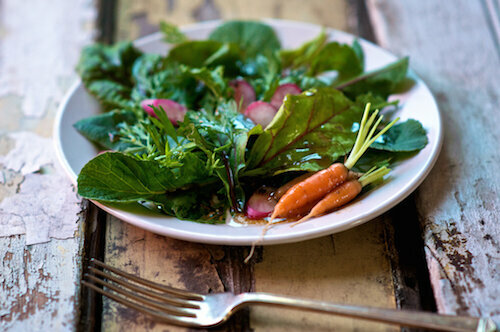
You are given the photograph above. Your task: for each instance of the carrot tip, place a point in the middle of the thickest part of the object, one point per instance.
(300, 221)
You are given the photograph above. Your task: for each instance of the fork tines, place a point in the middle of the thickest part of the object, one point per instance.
(163, 302)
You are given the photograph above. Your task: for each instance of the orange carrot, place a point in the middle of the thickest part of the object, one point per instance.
(321, 183)
(341, 195)
(284, 188)
(302, 211)
(344, 193)
(311, 189)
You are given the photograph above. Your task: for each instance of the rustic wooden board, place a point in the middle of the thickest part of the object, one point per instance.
(350, 267)
(180, 264)
(452, 46)
(39, 282)
(139, 18)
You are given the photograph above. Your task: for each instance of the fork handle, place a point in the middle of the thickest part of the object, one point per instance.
(400, 317)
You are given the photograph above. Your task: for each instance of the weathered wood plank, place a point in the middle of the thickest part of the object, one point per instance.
(138, 18)
(350, 267)
(451, 47)
(335, 268)
(39, 275)
(172, 262)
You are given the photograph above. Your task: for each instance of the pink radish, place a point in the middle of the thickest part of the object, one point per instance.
(282, 91)
(175, 111)
(243, 93)
(261, 113)
(260, 205)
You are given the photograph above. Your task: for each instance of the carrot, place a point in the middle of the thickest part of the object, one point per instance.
(344, 193)
(311, 189)
(284, 188)
(321, 183)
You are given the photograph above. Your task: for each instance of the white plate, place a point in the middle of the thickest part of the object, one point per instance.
(418, 103)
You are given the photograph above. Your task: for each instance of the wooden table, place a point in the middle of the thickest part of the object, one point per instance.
(438, 250)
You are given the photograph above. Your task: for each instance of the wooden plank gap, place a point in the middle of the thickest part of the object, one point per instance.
(106, 21)
(93, 244)
(359, 21)
(236, 276)
(90, 304)
(412, 284)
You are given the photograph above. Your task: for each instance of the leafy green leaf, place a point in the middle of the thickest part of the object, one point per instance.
(223, 138)
(117, 177)
(106, 72)
(309, 132)
(171, 33)
(252, 37)
(164, 124)
(206, 53)
(374, 158)
(103, 129)
(380, 82)
(157, 140)
(306, 82)
(263, 73)
(403, 137)
(303, 55)
(156, 78)
(111, 94)
(339, 57)
(376, 101)
(212, 79)
(358, 50)
(198, 204)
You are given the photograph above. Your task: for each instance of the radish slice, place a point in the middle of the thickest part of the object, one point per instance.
(261, 113)
(243, 93)
(175, 111)
(260, 205)
(282, 91)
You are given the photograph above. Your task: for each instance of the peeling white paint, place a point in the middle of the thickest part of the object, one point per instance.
(29, 153)
(40, 43)
(46, 205)
(37, 290)
(40, 46)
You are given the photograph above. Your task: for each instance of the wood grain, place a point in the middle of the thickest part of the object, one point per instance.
(350, 267)
(139, 18)
(38, 281)
(453, 49)
(172, 262)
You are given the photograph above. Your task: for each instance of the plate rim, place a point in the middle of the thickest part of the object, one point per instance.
(268, 239)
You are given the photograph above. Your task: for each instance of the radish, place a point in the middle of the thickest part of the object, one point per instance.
(175, 111)
(261, 204)
(244, 94)
(261, 113)
(282, 91)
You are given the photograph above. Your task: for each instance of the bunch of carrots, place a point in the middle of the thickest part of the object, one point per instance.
(336, 185)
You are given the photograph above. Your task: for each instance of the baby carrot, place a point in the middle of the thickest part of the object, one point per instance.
(284, 188)
(321, 183)
(344, 193)
(311, 189)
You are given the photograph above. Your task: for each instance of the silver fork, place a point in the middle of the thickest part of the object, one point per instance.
(180, 307)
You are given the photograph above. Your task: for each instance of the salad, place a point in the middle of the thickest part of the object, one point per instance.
(235, 124)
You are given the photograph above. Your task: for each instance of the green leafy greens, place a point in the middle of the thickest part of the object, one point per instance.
(205, 165)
